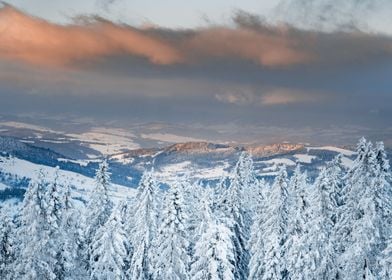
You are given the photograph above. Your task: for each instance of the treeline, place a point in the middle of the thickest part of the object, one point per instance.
(339, 227)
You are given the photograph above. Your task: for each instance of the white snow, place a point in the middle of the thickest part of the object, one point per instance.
(54, 141)
(121, 158)
(278, 161)
(212, 173)
(169, 172)
(80, 161)
(107, 140)
(27, 141)
(3, 187)
(304, 158)
(347, 162)
(83, 185)
(171, 138)
(273, 166)
(269, 173)
(333, 149)
(27, 126)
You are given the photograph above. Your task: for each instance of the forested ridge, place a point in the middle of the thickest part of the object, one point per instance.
(338, 226)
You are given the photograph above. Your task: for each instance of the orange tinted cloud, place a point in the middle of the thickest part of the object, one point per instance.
(36, 41)
(269, 49)
(29, 39)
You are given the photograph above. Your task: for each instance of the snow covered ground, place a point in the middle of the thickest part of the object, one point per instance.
(169, 138)
(82, 185)
(169, 172)
(107, 141)
(304, 158)
(333, 149)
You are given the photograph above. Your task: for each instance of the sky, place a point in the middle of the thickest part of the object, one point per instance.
(283, 70)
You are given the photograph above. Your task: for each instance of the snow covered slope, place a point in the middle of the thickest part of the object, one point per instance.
(200, 160)
(18, 169)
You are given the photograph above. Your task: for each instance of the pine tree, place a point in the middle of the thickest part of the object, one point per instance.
(385, 262)
(50, 212)
(72, 240)
(295, 247)
(350, 197)
(144, 228)
(367, 273)
(256, 241)
(383, 193)
(360, 219)
(244, 178)
(237, 220)
(214, 251)
(100, 206)
(54, 211)
(205, 209)
(237, 207)
(171, 250)
(275, 229)
(335, 171)
(7, 245)
(192, 194)
(109, 250)
(321, 239)
(54, 203)
(34, 235)
(218, 200)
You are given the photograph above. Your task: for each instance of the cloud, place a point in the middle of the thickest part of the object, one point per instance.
(329, 15)
(36, 41)
(92, 40)
(238, 96)
(268, 49)
(267, 97)
(105, 4)
(286, 96)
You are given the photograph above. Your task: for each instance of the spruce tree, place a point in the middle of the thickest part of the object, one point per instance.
(360, 219)
(218, 200)
(256, 241)
(237, 207)
(72, 240)
(192, 193)
(109, 250)
(171, 245)
(385, 262)
(7, 245)
(35, 261)
(320, 238)
(298, 210)
(275, 229)
(144, 230)
(99, 207)
(244, 178)
(54, 211)
(214, 251)
(383, 193)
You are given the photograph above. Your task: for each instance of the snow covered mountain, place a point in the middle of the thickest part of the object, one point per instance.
(202, 161)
